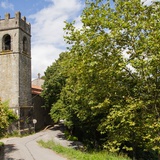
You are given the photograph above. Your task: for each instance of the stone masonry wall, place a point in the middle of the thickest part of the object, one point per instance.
(15, 64)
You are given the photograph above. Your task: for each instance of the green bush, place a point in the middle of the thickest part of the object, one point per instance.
(70, 137)
(1, 144)
(7, 117)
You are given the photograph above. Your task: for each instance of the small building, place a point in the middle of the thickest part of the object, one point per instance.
(41, 114)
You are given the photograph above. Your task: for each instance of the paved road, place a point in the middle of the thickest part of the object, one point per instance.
(26, 148)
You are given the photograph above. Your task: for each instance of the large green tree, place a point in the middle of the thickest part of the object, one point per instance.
(137, 122)
(111, 93)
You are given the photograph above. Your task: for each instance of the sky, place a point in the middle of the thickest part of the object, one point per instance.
(47, 22)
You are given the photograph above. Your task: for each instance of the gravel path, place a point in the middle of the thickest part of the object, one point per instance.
(27, 148)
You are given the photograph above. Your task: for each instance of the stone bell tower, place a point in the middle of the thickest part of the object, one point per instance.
(15, 63)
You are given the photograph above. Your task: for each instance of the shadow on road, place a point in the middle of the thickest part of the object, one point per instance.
(61, 136)
(8, 148)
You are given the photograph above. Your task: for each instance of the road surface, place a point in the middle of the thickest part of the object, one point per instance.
(27, 148)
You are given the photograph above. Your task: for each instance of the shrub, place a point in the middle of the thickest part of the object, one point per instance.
(7, 116)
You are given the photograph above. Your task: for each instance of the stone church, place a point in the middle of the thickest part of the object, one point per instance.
(15, 67)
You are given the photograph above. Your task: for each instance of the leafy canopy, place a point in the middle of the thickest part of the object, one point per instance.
(111, 70)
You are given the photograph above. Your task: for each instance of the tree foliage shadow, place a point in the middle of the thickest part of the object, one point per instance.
(61, 135)
(8, 148)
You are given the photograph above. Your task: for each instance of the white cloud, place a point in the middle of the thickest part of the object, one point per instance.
(47, 32)
(147, 2)
(42, 57)
(78, 23)
(7, 5)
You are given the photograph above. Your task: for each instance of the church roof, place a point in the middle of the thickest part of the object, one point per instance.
(36, 90)
(37, 85)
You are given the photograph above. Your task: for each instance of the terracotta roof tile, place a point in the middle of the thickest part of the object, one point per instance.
(36, 89)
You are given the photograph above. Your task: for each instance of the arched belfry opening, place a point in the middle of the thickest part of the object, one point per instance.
(6, 42)
(25, 45)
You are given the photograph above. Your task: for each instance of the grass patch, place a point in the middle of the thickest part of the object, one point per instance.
(13, 134)
(1, 144)
(16, 134)
(73, 154)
